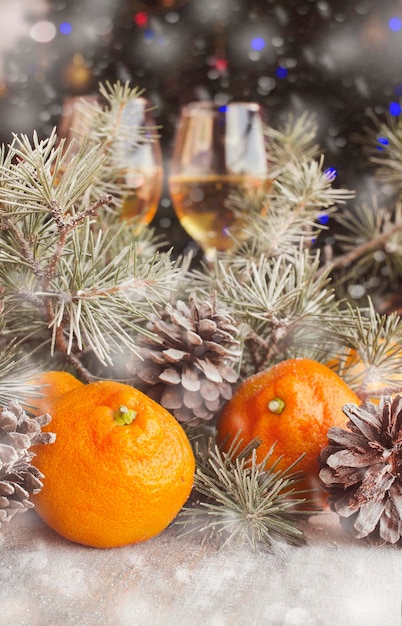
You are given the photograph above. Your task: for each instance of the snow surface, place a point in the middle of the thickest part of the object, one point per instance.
(334, 580)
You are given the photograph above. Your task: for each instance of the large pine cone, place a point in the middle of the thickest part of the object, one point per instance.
(189, 368)
(361, 468)
(18, 478)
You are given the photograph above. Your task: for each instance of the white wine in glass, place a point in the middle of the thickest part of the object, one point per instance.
(140, 166)
(219, 151)
(142, 177)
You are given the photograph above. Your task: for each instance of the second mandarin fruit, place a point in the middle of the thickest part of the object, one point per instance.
(292, 405)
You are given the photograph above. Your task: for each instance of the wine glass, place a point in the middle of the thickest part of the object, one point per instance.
(143, 174)
(140, 170)
(218, 151)
(75, 119)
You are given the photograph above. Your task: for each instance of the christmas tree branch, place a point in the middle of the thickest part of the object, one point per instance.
(111, 123)
(239, 500)
(24, 247)
(67, 224)
(295, 140)
(377, 242)
(279, 303)
(370, 361)
(382, 142)
(295, 210)
(71, 280)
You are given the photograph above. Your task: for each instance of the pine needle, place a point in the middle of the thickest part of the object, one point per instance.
(374, 342)
(382, 143)
(239, 501)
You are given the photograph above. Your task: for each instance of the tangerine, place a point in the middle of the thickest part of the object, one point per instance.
(120, 469)
(292, 405)
(50, 385)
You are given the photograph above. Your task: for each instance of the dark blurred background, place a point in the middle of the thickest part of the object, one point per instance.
(337, 59)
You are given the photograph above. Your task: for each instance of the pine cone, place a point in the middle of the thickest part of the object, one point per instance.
(18, 478)
(189, 371)
(361, 470)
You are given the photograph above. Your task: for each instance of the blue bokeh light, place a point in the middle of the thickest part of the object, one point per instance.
(65, 28)
(383, 141)
(323, 219)
(330, 173)
(394, 108)
(149, 34)
(281, 72)
(258, 43)
(395, 24)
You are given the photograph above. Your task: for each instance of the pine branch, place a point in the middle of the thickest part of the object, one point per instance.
(370, 362)
(382, 143)
(296, 209)
(279, 304)
(96, 300)
(296, 140)
(237, 500)
(15, 369)
(375, 230)
(306, 184)
(38, 175)
(112, 122)
(71, 281)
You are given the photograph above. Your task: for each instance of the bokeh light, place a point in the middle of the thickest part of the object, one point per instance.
(221, 65)
(149, 34)
(258, 43)
(394, 108)
(383, 141)
(141, 18)
(330, 173)
(395, 24)
(65, 28)
(281, 72)
(323, 219)
(43, 31)
(213, 11)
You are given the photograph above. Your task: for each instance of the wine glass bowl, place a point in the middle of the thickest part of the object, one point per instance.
(142, 176)
(137, 164)
(219, 152)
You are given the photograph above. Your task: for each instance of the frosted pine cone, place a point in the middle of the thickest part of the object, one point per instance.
(361, 470)
(190, 371)
(18, 478)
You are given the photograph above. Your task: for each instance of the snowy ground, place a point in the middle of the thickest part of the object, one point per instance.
(332, 581)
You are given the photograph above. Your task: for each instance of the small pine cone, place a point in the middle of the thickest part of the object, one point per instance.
(189, 369)
(361, 469)
(18, 478)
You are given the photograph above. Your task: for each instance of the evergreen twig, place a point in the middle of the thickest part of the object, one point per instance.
(283, 307)
(238, 500)
(112, 122)
(366, 232)
(295, 140)
(370, 360)
(382, 143)
(72, 281)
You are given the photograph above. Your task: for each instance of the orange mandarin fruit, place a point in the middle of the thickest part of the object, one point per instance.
(120, 469)
(292, 405)
(48, 386)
